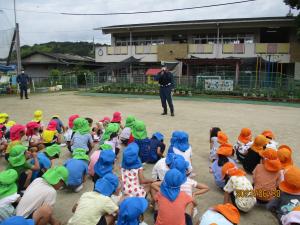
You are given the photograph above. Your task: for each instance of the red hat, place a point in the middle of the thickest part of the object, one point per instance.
(105, 119)
(15, 131)
(116, 117)
(52, 125)
(30, 128)
(71, 120)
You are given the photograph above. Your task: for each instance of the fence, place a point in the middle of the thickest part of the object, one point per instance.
(248, 83)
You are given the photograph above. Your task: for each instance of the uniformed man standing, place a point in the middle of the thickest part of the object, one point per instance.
(23, 81)
(166, 82)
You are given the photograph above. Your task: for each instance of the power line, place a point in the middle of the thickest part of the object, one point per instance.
(136, 12)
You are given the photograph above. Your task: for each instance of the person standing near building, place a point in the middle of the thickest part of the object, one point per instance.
(23, 81)
(166, 82)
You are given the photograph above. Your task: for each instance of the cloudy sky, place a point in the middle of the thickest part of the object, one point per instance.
(43, 27)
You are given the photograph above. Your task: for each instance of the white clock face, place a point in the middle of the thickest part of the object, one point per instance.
(100, 52)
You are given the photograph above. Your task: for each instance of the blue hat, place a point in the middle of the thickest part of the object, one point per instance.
(18, 220)
(174, 138)
(180, 164)
(107, 185)
(131, 158)
(170, 158)
(105, 163)
(181, 141)
(159, 136)
(130, 210)
(170, 187)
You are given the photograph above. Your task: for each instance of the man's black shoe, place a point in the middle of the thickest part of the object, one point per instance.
(172, 114)
(164, 113)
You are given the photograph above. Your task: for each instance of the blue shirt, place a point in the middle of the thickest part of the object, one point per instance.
(77, 169)
(59, 125)
(45, 164)
(217, 172)
(81, 141)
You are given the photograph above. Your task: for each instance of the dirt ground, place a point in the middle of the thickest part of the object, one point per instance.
(195, 117)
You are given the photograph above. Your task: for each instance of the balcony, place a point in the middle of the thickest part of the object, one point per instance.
(171, 52)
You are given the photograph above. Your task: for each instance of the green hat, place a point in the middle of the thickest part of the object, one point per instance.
(130, 121)
(105, 147)
(80, 153)
(8, 184)
(81, 126)
(54, 175)
(53, 150)
(17, 156)
(110, 129)
(139, 131)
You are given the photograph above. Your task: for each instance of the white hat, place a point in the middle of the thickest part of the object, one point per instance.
(125, 134)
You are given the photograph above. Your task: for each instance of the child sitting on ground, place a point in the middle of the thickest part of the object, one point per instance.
(139, 133)
(226, 214)
(8, 193)
(3, 141)
(171, 201)
(289, 195)
(111, 137)
(38, 117)
(50, 135)
(252, 159)
(214, 144)
(157, 147)
(39, 198)
(17, 132)
(46, 160)
(78, 169)
(97, 207)
(124, 136)
(285, 156)
(98, 131)
(162, 166)
(104, 164)
(117, 118)
(82, 137)
(34, 137)
(59, 124)
(238, 189)
(18, 161)
(224, 153)
(69, 133)
(95, 156)
(131, 210)
(266, 176)
(243, 144)
(271, 137)
(134, 182)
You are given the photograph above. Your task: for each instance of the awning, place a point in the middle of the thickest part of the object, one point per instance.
(4, 68)
(152, 71)
(206, 61)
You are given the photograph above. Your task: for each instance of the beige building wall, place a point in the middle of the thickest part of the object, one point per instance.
(171, 52)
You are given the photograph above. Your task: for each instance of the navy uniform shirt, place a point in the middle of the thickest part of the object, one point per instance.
(23, 79)
(165, 78)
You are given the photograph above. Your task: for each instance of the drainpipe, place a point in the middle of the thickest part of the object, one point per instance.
(218, 40)
(130, 67)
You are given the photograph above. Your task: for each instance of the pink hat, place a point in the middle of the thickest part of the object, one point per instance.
(52, 125)
(71, 120)
(105, 119)
(116, 117)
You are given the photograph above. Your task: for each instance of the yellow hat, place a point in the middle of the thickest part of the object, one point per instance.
(3, 117)
(10, 123)
(38, 115)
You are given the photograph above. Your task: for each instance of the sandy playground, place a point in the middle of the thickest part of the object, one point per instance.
(195, 117)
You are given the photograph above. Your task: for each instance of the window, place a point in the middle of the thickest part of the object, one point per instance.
(150, 40)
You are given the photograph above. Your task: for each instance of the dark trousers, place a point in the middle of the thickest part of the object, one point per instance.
(166, 96)
(23, 90)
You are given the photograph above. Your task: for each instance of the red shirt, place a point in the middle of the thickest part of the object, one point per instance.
(172, 212)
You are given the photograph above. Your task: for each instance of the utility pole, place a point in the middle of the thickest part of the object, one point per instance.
(17, 42)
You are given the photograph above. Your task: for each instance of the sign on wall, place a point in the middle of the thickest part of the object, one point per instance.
(218, 85)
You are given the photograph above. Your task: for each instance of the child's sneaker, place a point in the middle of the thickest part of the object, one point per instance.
(78, 189)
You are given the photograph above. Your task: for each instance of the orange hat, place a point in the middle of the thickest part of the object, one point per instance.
(245, 135)
(225, 149)
(296, 208)
(268, 134)
(229, 211)
(285, 156)
(230, 169)
(222, 137)
(291, 183)
(259, 142)
(271, 161)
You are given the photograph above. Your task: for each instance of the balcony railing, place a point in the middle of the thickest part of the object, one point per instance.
(201, 48)
(117, 50)
(233, 48)
(146, 49)
(272, 48)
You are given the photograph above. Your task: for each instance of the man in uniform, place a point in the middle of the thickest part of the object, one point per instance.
(23, 81)
(166, 82)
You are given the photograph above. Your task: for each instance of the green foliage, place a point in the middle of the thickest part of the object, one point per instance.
(75, 48)
(295, 4)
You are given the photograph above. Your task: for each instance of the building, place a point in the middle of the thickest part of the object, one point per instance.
(40, 64)
(205, 47)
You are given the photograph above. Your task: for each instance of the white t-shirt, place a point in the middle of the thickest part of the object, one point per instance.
(213, 217)
(9, 199)
(91, 207)
(188, 186)
(68, 134)
(241, 147)
(273, 145)
(214, 148)
(187, 155)
(160, 169)
(38, 193)
(114, 143)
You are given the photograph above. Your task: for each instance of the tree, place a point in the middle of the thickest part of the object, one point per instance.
(295, 4)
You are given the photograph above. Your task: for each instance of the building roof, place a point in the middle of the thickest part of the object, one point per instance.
(196, 24)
